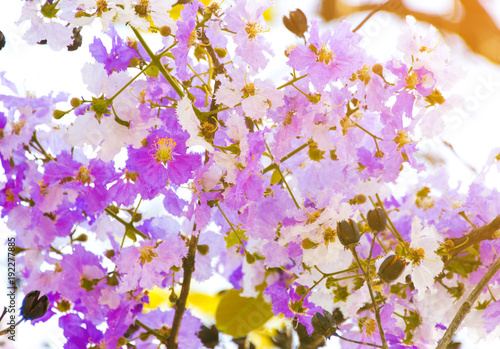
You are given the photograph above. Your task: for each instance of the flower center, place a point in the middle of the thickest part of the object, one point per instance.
(164, 149)
(147, 254)
(325, 55)
(83, 175)
(412, 80)
(16, 127)
(9, 195)
(248, 90)
(253, 29)
(142, 8)
(402, 139)
(131, 176)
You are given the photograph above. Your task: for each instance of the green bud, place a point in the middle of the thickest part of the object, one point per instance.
(250, 258)
(75, 102)
(165, 31)
(348, 233)
(203, 249)
(377, 219)
(301, 290)
(391, 268)
(58, 114)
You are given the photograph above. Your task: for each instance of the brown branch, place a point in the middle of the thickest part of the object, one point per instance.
(485, 232)
(218, 69)
(180, 305)
(475, 25)
(467, 305)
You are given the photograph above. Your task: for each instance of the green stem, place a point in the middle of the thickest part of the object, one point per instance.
(126, 224)
(377, 310)
(291, 82)
(232, 227)
(161, 338)
(128, 83)
(157, 62)
(286, 157)
(395, 232)
(288, 187)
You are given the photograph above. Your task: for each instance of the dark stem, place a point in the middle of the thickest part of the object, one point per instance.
(155, 333)
(354, 341)
(180, 305)
(372, 12)
(467, 305)
(218, 69)
(485, 232)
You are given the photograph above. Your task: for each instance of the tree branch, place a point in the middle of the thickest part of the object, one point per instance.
(180, 305)
(467, 305)
(485, 232)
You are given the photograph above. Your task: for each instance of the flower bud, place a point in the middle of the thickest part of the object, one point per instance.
(75, 102)
(391, 268)
(203, 249)
(296, 23)
(165, 30)
(301, 290)
(58, 114)
(348, 233)
(34, 307)
(377, 219)
(221, 52)
(250, 258)
(324, 325)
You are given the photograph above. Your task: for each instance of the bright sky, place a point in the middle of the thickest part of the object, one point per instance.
(473, 132)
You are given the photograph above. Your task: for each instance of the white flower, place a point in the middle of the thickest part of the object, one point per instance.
(426, 264)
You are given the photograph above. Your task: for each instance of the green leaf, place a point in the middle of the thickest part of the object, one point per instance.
(131, 234)
(49, 10)
(237, 316)
(232, 239)
(307, 244)
(100, 106)
(276, 177)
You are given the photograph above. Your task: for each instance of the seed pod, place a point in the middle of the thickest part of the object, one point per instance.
(33, 307)
(324, 324)
(377, 219)
(391, 268)
(348, 233)
(296, 23)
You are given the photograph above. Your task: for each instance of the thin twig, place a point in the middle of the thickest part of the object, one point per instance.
(467, 305)
(358, 342)
(372, 12)
(374, 302)
(180, 305)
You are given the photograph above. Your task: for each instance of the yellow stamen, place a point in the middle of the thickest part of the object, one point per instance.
(164, 149)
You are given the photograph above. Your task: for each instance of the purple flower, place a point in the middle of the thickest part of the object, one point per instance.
(118, 58)
(186, 35)
(146, 265)
(330, 57)
(285, 301)
(163, 160)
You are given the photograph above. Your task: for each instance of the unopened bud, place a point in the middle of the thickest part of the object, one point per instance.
(348, 233)
(301, 290)
(296, 23)
(391, 268)
(324, 324)
(377, 219)
(203, 249)
(34, 307)
(134, 62)
(58, 114)
(165, 30)
(250, 258)
(221, 52)
(75, 102)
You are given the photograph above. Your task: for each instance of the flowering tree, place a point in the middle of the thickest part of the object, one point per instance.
(283, 186)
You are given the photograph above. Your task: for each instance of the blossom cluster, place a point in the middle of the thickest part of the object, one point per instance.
(191, 143)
